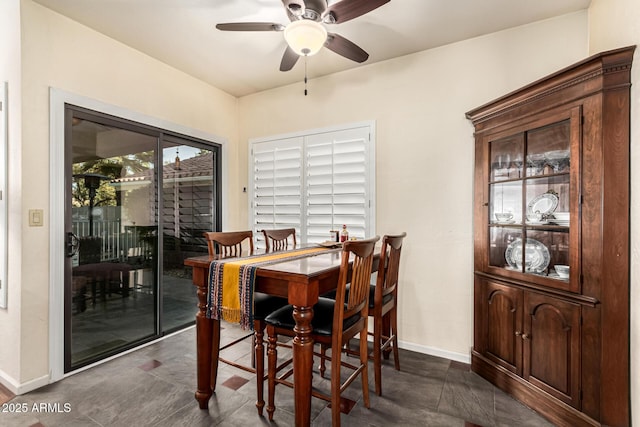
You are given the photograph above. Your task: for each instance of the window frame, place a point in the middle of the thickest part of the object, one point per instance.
(302, 139)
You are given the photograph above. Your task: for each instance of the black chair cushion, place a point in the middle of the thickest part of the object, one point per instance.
(322, 322)
(329, 295)
(372, 293)
(332, 293)
(264, 304)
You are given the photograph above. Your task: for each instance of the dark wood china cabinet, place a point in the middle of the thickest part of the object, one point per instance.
(551, 242)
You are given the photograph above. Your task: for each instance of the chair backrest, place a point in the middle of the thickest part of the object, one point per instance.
(359, 277)
(387, 281)
(228, 243)
(278, 240)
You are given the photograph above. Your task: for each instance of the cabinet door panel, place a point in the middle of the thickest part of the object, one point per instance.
(551, 346)
(503, 306)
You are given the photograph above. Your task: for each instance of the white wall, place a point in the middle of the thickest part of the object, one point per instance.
(10, 73)
(425, 152)
(60, 53)
(614, 24)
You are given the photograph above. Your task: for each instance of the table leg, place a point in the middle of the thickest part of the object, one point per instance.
(204, 339)
(302, 364)
(215, 352)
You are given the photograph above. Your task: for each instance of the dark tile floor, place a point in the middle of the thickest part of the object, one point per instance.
(117, 321)
(154, 386)
(5, 394)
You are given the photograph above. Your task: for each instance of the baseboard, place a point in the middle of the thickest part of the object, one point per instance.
(438, 352)
(21, 388)
(8, 382)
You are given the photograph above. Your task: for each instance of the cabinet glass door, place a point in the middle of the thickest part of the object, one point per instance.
(505, 198)
(529, 205)
(547, 199)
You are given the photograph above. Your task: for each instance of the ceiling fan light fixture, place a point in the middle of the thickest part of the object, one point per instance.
(305, 37)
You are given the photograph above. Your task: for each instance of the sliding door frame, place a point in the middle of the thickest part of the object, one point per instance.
(58, 101)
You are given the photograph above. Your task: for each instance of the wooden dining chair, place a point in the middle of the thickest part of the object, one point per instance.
(383, 306)
(229, 244)
(334, 323)
(278, 239)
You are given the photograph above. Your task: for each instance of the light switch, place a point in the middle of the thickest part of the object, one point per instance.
(36, 217)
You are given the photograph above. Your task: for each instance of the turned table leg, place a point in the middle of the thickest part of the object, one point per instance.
(207, 344)
(302, 364)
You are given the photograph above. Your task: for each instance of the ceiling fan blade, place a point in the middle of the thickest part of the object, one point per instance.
(289, 59)
(346, 10)
(250, 26)
(346, 48)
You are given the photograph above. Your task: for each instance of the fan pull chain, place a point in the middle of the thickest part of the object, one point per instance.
(305, 75)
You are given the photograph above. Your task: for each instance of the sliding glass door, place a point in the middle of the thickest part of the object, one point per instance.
(138, 200)
(188, 210)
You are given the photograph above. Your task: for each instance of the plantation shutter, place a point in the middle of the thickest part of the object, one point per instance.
(337, 185)
(314, 183)
(277, 186)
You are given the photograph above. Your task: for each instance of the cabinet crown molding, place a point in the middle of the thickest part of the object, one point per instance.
(592, 74)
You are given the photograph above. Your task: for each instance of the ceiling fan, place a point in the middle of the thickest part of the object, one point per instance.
(306, 33)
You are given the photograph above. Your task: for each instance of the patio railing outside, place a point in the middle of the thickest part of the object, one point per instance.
(117, 243)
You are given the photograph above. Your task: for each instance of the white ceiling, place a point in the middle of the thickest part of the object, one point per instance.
(182, 33)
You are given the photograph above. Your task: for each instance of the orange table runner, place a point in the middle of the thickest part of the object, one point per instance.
(231, 284)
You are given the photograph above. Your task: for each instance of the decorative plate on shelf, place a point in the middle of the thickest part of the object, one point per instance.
(543, 204)
(536, 256)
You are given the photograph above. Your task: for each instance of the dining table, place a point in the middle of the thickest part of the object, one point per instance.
(301, 280)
